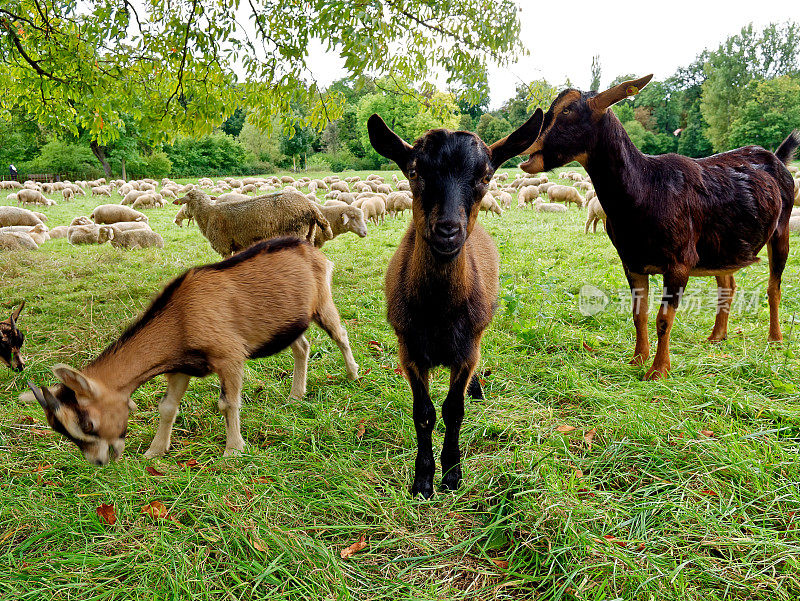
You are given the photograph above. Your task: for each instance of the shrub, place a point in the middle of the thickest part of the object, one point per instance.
(60, 157)
(215, 153)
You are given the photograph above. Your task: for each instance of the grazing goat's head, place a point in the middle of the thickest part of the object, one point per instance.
(449, 172)
(11, 340)
(85, 412)
(570, 125)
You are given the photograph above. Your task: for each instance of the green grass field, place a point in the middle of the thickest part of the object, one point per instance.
(685, 488)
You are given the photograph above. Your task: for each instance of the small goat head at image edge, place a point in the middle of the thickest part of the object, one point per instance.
(11, 339)
(442, 282)
(673, 215)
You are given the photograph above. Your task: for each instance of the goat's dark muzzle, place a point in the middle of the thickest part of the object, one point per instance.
(447, 239)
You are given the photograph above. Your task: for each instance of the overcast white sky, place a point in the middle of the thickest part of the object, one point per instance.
(630, 37)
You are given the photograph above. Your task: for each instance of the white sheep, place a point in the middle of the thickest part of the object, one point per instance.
(548, 207)
(101, 191)
(20, 216)
(488, 203)
(527, 194)
(374, 209)
(33, 197)
(114, 213)
(17, 241)
(136, 238)
(89, 234)
(594, 214)
(343, 218)
(148, 200)
(565, 194)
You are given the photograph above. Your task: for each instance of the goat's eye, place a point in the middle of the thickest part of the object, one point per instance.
(486, 179)
(566, 111)
(412, 174)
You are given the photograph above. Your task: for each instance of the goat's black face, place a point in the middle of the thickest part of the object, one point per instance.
(449, 172)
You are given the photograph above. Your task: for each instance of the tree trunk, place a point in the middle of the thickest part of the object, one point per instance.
(124, 174)
(100, 153)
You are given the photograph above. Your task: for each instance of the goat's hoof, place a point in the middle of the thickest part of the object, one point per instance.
(776, 339)
(452, 479)
(422, 488)
(656, 373)
(155, 452)
(717, 338)
(353, 374)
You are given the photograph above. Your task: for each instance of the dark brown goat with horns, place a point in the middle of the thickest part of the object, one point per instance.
(673, 215)
(442, 283)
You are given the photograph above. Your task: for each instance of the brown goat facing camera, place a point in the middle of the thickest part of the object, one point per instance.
(210, 319)
(673, 215)
(11, 340)
(442, 282)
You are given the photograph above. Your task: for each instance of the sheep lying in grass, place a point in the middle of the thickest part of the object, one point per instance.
(115, 213)
(548, 207)
(594, 214)
(39, 233)
(236, 225)
(565, 194)
(16, 241)
(20, 216)
(89, 234)
(141, 237)
(343, 218)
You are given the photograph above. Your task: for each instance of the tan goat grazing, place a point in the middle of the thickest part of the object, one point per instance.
(208, 320)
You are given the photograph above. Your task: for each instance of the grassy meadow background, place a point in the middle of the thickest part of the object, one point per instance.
(581, 481)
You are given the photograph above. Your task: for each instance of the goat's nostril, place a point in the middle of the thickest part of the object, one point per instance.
(446, 229)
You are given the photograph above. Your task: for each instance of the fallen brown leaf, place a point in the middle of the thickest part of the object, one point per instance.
(500, 563)
(564, 429)
(107, 514)
(262, 480)
(707, 433)
(588, 438)
(189, 463)
(257, 543)
(156, 510)
(355, 547)
(578, 473)
(587, 348)
(361, 429)
(153, 471)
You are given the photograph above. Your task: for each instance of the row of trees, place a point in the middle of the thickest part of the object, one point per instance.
(747, 91)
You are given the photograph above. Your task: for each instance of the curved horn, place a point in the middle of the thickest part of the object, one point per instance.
(15, 314)
(601, 102)
(46, 400)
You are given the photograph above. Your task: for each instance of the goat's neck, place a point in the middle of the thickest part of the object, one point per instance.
(429, 271)
(615, 165)
(127, 365)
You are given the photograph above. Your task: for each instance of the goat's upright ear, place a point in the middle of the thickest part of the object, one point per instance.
(517, 141)
(15, 314)
(72, 378)
(600, 103)
(387, 143)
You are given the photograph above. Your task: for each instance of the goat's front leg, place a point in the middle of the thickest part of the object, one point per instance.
(230, 402)
(424, 421)
(640, 297)
(453, 415)
(168, 410)
(674, 287)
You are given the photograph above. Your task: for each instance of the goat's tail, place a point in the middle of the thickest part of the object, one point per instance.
(322, 223)
(788, 147)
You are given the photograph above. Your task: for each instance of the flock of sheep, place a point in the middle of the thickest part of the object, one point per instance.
(234, 213)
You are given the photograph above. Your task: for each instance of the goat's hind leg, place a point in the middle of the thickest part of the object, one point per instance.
(328, 319)
(230, 403)
(726, 287)
(640, 298)
(778, 251)
(168, 410)
(300, 354)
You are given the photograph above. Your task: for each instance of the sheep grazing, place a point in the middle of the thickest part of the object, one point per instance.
(68, 193)
(490, 205)
(374, 208)
(442, 282)
(33, 197)
(397, 203)
(673, 215)
(208, 320)
(233, 226)
(565, 194)
(101, 191)
(594, 214)
(140, 237)
(11, 340)
(115, 213)
(527, 194)
(343, 218)
(89, 234)
(19, 216)
(148, 200)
